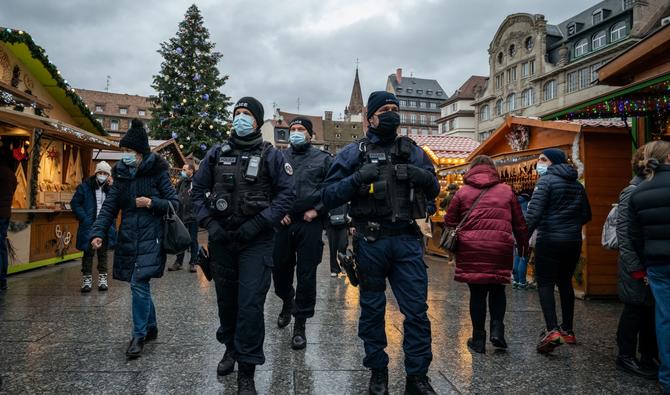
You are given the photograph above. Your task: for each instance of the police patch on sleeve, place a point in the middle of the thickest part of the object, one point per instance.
(288, 169)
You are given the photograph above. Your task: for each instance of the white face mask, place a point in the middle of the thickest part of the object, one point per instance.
(101, 178)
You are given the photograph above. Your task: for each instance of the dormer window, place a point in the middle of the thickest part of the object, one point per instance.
(500, 57)
(512, 50)
(438, 93)
(399, 89)
(597, 16)
(572, 28)
(429, 92)
(419, 91)
(409, 90)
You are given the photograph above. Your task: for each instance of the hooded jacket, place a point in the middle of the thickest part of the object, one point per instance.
(85, 208)
(139, 249)
(559, 206)
(485, 249)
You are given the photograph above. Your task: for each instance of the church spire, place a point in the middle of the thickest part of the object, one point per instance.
(355, 106)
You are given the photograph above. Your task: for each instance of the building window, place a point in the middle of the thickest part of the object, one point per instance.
(101, 120)
(412, 103)
(433, 106)
(114, 124)
(572, 84)
(511, 102)
(412, 118)
(433, 118)
(572, 29)
(451, 124)
(403, 117)
(424, 132)
(429, 91)
(527, 69)
(618, 32)
(141, 113)
(338, 136)
(584, 78)
(529, 44)
(499, 81)
(511, 74)
(599, 40)
(403, 131)
(454, 107)
(500, 57)
(499, 107)
(99, 108)
(512, 50)
(422, 119)
(597, 16)
(627, 4)
(403, 103)
(527, 97)
(550, 90)
(594, 70)
(354, 137)
(422, 104)
(484, 113)
(419, 91)
(581, 48)
(123, 110)
(415, 130)
(409, 90)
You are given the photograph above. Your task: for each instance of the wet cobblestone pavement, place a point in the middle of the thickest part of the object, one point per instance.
(55, 340)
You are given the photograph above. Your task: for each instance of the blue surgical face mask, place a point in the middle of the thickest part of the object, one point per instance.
(129, 159)
(183, 174)
(297, 138)
(542, 169)
(243, 124)
(102, 178)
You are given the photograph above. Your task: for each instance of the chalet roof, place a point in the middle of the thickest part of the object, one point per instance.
(447, 146)
(467, 90)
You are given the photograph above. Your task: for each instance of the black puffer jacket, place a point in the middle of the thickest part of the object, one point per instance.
(559, 206)
(650, 212)
(631, 291)
(310, 166)
(183, 188)
(139, 248)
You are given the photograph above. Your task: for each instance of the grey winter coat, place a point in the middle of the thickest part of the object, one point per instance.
(631, 291)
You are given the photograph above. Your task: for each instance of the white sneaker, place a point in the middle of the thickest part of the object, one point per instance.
(87, 283)
(102, 282)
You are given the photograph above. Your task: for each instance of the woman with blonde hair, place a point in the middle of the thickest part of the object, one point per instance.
(649, 208)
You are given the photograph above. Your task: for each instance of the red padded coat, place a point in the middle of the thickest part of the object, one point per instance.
(485, 250)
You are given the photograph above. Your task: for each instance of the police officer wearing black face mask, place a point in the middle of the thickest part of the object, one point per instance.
(299, 245)
(388, 180)
(243, 188)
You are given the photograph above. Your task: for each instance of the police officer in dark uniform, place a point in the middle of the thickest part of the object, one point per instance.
(299, 244)
(243, 188)
(388, 179)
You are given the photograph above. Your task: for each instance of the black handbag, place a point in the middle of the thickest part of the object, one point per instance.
(449, 238)
(176, 238)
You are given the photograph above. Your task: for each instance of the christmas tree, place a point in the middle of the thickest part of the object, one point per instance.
(190, 106)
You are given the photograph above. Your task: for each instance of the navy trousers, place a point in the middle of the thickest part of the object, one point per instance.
(400, 260)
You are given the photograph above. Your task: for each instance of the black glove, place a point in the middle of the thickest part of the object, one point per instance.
(250, 229)
(217, 233)
(367, 174)
(420, 177)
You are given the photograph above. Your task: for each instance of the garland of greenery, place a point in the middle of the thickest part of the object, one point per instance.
(12, 36)
(37, 146)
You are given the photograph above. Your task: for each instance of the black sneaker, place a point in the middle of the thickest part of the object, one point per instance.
(245, 379)
(285, 315)
(135, 348)
(419, 385)
(379, 382)
(299, 340)
(631, 365)
(226, 365)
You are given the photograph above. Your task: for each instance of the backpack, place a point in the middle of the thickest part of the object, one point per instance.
(608, 239)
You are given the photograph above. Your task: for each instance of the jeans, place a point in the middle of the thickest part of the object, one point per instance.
(555, 265)
(497, 304)
(338, 240)
(520, 268)
(637, 321)
(144, 312)
(4, 254)
(87, 260)
(659, 281)
(193, 231)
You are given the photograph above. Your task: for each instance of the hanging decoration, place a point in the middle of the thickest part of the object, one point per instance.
(579, 165)
(518, 138)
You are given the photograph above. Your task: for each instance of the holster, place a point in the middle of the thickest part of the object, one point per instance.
(348, 264)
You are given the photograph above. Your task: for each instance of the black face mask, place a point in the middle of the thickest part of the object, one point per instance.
(388, 124)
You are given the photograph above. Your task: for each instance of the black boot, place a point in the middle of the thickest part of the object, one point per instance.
(285, 316)
(477, 342)
(245, 379)
(226, 364)
(299, 340)
(498, 334)
(135, 347)
(419, 385)
(379, 382)
(630, 365)
(152, 334)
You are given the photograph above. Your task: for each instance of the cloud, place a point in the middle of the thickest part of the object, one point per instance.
(277, 51)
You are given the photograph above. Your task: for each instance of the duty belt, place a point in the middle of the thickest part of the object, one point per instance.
(373, 231)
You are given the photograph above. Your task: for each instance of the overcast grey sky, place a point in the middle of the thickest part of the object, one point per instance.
(277, 51)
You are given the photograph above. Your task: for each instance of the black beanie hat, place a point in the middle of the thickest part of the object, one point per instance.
(252, 105)
(555, 155)
(136, 138)
(304, 122)
(378, 99)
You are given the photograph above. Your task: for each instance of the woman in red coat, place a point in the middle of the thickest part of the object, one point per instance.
(485, 250)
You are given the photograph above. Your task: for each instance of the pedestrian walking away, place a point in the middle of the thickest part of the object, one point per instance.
(558, 209)
(649, 230)
(86, 204)
(299, 241)
(388, 179)
(243, 189)
(8, 181)
(187, 217)
(338, 235)
(520, 268)
(490, 223)
(142, 191)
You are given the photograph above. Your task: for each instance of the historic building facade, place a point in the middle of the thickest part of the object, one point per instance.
(537, 68)
(115, 111)
(457, 113)
(420, 101)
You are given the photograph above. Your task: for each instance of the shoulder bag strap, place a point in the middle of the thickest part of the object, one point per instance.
(471, 208)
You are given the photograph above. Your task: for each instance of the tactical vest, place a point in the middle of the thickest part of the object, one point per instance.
(392, 197)
(242, 184)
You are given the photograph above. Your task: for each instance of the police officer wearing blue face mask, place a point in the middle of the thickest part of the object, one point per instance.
(243, 188)
(299, 245)
(388, 179)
